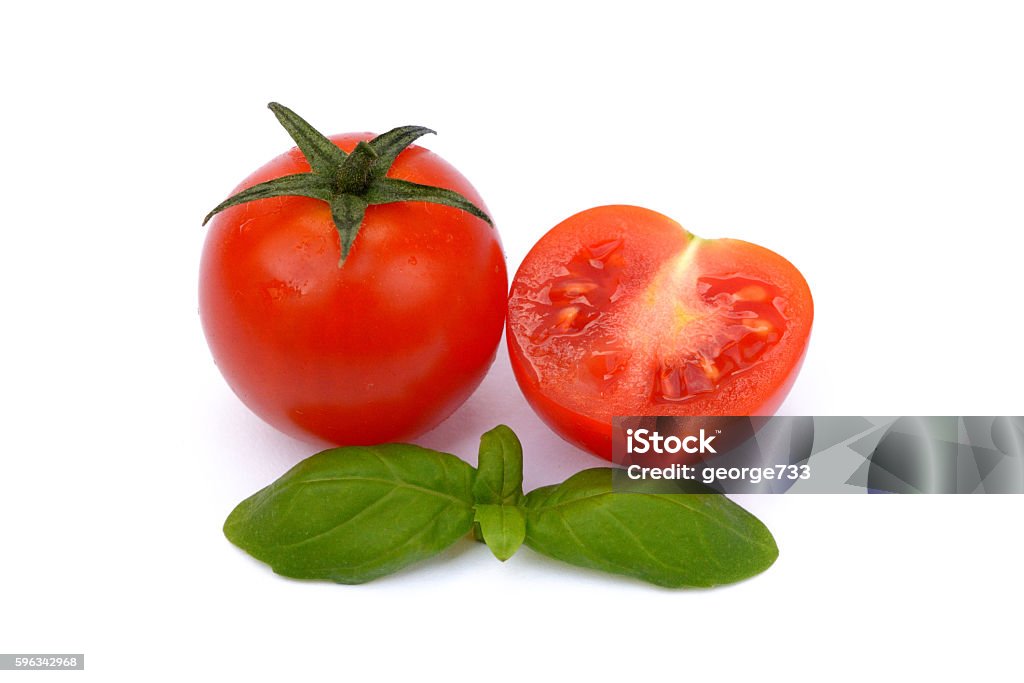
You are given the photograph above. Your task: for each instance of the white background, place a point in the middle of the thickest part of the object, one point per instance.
(878, 146)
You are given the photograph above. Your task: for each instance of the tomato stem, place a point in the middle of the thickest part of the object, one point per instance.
(354, 175)
(348, 182)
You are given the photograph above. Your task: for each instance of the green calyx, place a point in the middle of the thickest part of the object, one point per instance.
(348, 182)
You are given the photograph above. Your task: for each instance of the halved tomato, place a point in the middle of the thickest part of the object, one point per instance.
(618, 310)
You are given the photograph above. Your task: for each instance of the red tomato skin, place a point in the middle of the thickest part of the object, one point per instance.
(380, 350)
(583, 417)
(580, 430)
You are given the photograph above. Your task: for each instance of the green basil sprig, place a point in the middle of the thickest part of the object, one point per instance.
(353, 514)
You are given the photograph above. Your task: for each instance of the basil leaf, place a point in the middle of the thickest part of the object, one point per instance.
(499, 478)
(353, 514)
(503, 528)
(673, 540)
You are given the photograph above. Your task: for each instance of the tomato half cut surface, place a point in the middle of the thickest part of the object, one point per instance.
(619, 310)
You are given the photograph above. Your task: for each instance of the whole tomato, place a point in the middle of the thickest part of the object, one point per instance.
(352, 290)
(618, 310)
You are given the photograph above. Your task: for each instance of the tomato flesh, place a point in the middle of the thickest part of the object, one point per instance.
(620, 311)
